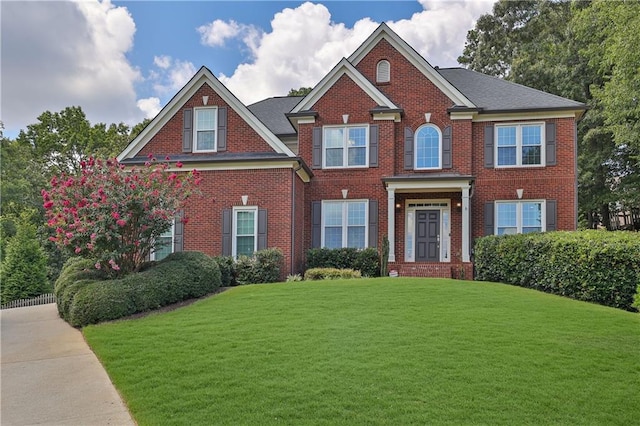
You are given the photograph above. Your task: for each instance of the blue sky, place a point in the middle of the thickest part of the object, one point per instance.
(121, 61)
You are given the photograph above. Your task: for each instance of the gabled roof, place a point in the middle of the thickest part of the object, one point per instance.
(384, 32)
(492, 94)
(175, 104)
(343, 68)
(272, 112)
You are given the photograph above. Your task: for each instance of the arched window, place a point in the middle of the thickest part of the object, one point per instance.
(383, 72)
(428, 147)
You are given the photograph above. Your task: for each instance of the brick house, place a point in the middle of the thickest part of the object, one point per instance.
(385, 144)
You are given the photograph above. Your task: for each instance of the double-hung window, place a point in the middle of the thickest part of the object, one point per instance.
(520, 145)
(245, 239)
(519, 217)
(164, 244)
(346, 146)
(344, 224)
(205, 124)
(428, 149)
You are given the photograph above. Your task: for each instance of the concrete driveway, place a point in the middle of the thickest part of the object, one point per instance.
(50, 376)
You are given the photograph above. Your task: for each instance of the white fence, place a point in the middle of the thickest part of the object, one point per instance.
(43, 299)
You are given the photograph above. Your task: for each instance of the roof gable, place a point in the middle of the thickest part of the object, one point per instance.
(384, 32)
(204, 75)
(343, 67)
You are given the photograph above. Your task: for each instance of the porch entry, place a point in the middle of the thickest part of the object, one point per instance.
(427, 235)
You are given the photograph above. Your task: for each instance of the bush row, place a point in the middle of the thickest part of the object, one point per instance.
(84, 296)
(367, 261)
(263, 267)
(595, 266)
(330, 274)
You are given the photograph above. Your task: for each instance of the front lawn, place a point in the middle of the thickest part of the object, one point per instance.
(377, 351)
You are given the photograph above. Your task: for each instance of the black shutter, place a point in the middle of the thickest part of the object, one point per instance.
(178, 232)
(373, 223)
(551, 214)
(489, 218)
(550, 135)
(447, 160)
(373, 145)
(316, 161)
(222, 129)
(226, 231)
(262, 229)
(408, 148)
(187, 130)
(316, 224)
(488, 146)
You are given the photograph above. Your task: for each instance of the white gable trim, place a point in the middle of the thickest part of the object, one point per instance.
(176, 103)
(384, 32)
(343, 68)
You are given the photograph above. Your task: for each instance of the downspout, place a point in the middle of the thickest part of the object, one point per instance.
(293, 216)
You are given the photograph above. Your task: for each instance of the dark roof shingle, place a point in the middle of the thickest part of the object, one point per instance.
(272, 112)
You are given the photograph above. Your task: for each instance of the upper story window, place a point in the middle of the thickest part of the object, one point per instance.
(344, 224)
(519, 217)
(520, 145)
(205, 125)
(428, 147)
(383, 72)
(346, 146)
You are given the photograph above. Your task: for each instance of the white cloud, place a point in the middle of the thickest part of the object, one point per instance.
(171, 75)
(150, 106)
(218, 31)
(304, 44)
(59, 54)
(162, 61)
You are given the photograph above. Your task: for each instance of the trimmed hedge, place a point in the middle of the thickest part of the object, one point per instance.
(367, 261)
(87, 299)
(594, 266)
(330, 274)
(264, 266)
(227, 270)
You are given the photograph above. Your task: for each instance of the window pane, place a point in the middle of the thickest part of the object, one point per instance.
(530, 154)
(355, 236)
(506, 136)
(506, 214)
(334, 157)
(333, 237)
(531, 217)
(163, 247)
(205, 140)
(531, 135)
(357, 156)
(356, 213)
(245, 245)
(427, 148)
(332, 213)
(245, 223)
(205, 119)
(357, 136)
(334, 138)
(507, 156)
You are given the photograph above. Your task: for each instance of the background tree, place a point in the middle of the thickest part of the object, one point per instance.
(303, 91)
(23, 270)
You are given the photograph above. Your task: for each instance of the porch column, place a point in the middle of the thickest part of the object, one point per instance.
(466, 225)
(391, 223)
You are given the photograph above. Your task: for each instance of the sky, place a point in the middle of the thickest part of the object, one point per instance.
(122, 61)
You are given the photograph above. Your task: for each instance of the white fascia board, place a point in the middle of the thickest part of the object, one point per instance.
(343, 68)
(433, 186)
(384, 32)
(523, 116)
(246, 165)
(173, 107)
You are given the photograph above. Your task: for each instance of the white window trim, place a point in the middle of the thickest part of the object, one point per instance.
(234, 228)
(415, 148)
(444, 205)
(345, 148)
(345, 221)
(519, 203)
(195, 130)
(380, 63)
(518, 126)
(152, 255)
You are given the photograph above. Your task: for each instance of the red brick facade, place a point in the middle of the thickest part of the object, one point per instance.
(287, 193)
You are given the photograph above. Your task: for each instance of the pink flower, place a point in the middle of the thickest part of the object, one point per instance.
(97, 265)
(69, 235)
(78, 250)
(121, 222)
(167, 158)
(178, 164)
(54, 239)
(48, 205)
(90, 246)
(115, 215)
(172, 176)
(150, 156)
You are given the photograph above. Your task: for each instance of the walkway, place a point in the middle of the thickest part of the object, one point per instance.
(50, 376)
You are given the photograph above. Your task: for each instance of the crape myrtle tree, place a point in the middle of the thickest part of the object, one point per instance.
(115, 214)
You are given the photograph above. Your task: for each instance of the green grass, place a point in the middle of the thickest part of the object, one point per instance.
(377, 351)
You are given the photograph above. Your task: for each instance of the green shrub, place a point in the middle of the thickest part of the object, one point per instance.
(24, 268)
(367, 261)
(227, 270)
(330, 274)
(84, 299)
(264, 266)
(595, 266)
